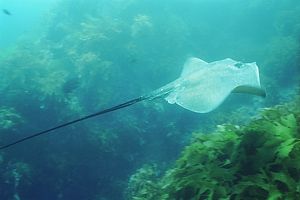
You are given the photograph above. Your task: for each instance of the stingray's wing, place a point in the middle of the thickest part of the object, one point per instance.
(193, 65)
(204, 89)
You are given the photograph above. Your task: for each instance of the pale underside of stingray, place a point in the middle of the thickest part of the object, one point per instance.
(201, 88)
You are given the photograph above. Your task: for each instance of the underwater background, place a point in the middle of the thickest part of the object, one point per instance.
(63, 59)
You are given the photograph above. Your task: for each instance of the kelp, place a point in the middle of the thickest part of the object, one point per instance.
(9, 118)
(257, 161)
(15, 177)
(143, 181)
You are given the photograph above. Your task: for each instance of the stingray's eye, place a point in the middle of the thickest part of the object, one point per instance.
(238, 65)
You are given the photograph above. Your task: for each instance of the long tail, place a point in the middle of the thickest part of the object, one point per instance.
(123, 105)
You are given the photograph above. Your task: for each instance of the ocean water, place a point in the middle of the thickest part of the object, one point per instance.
(64, 59)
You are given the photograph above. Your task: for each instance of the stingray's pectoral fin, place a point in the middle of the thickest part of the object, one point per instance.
(250, 90)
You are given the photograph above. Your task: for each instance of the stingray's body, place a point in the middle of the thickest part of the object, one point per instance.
(201, 88)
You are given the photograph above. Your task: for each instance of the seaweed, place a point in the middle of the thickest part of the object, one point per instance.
(9, 118)
(143, 181)
(257, 161)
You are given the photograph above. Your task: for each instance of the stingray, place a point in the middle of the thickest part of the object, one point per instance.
(201, 88)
